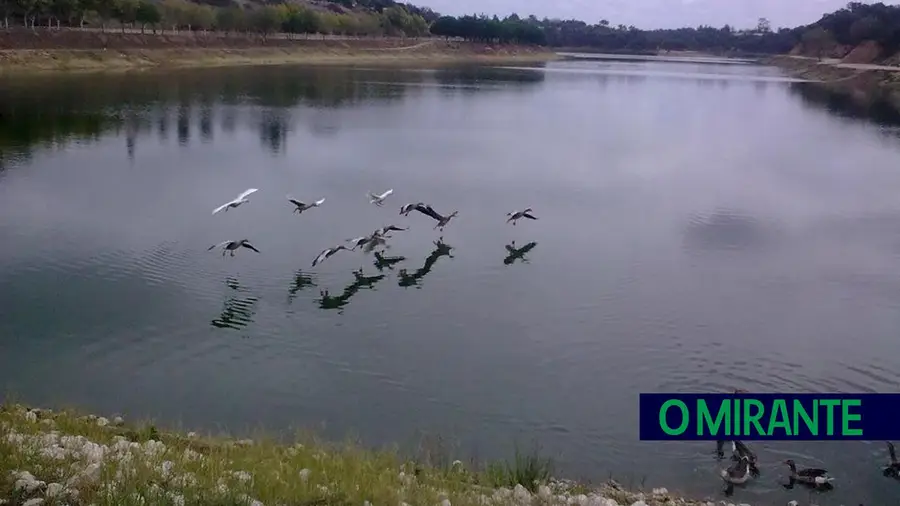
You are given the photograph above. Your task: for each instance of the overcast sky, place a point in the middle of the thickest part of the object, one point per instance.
(653, 13)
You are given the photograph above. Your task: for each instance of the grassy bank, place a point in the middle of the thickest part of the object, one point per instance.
(26, 51)
(55, 458)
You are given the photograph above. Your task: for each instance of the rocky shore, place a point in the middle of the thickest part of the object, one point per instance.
(56, 458)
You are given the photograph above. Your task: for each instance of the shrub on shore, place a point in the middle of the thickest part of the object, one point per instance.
(55, 458)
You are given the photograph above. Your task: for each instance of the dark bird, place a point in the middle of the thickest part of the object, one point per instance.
(737, 474)
(740, 450)
(383, 231)
(299, 207)
(327, 252)
(518, 215)
(429, 211)
(232, 246)
(892, 470)
(813, 477)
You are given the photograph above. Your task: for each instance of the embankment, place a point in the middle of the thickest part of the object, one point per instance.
(49, 457)
(82, 50)
(863, 82)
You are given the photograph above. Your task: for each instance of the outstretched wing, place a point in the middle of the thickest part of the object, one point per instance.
(296, 202)
(250, 246)
(812, 472)
(214, 246)
(385, 194)
(220, 208)
(247, 192)
(320, 202)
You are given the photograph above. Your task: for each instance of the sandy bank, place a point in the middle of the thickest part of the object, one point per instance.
(862, 81)
(64, 457)
(76, 50)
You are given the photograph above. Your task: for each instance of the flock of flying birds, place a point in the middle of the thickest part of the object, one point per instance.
(745, 468)
(367, 242)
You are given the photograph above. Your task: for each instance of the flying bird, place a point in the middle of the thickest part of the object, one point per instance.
(429, 211)
(241, 199)
(383, 231)
(407, 208)
(517, 215)
(363, 240)
(300, 206)
(378, 200)
(327, 252)
(232, 246)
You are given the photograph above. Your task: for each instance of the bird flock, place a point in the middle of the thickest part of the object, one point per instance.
(367, 243)
(745, 468)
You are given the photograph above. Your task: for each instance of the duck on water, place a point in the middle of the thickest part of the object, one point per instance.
(811, 477)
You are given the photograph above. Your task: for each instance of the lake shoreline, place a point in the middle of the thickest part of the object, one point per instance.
(118, 461)
(862, 84)
(86, 51)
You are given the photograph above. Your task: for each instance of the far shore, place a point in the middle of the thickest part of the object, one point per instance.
(85, 51)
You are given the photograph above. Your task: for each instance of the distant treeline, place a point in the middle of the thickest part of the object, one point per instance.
(850, 26)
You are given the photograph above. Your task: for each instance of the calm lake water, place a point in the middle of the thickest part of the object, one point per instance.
(702, 226)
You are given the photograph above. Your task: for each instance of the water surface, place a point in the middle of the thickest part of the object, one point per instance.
(702, 226)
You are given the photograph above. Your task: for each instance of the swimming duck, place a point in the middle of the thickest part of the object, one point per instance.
(892, 470)
(739, 450)
(812, 477)
(737, 474)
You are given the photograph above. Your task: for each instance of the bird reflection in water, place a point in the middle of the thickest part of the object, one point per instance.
(301, 281)
(338, 302)
(518, 253)
(441, 249)
(381, 262)
(238, 310)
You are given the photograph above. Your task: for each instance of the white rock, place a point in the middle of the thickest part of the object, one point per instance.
(660, 491)
(103, 422)
(304, 475)
(544, 492)
(31, 416)
(120, 421)
(54, 489)
(243, 476)
(639, 503)
(445, 502)
(192, 435)
(37, 501)
(521, 494)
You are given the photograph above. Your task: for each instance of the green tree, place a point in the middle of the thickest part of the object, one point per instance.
(763, 26)
(64, 10)
(230, 19)
(105, 10)
(265, 20)
(147, 14)
(866, 28)
(818, 40)
(125, 11)
(201, 17)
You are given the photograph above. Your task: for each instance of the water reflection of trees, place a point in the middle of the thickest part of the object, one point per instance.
(42, 111)
(238, 309)
(861, 106)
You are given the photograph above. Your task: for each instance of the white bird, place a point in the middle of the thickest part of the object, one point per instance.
(378, 200)
(327, 252)
(517, 215)
(363, 240)
(241, 199)
(232, 246)
(300, 206)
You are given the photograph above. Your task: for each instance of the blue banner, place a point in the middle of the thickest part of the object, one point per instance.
(774, 417)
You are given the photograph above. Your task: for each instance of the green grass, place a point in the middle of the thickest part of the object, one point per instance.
(143, 466)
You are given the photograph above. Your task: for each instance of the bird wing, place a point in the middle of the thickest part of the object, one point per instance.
(373, 196)
(385, 194)
(250, 246)
(223, 206)
(812, 472)
(320, 202)
(528, 215)
(892, 452)
(246, 192)
(296, 202)
(321, 256)
(223, 243)
(429, 211)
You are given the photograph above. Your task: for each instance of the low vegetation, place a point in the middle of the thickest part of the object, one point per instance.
(55, 458)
